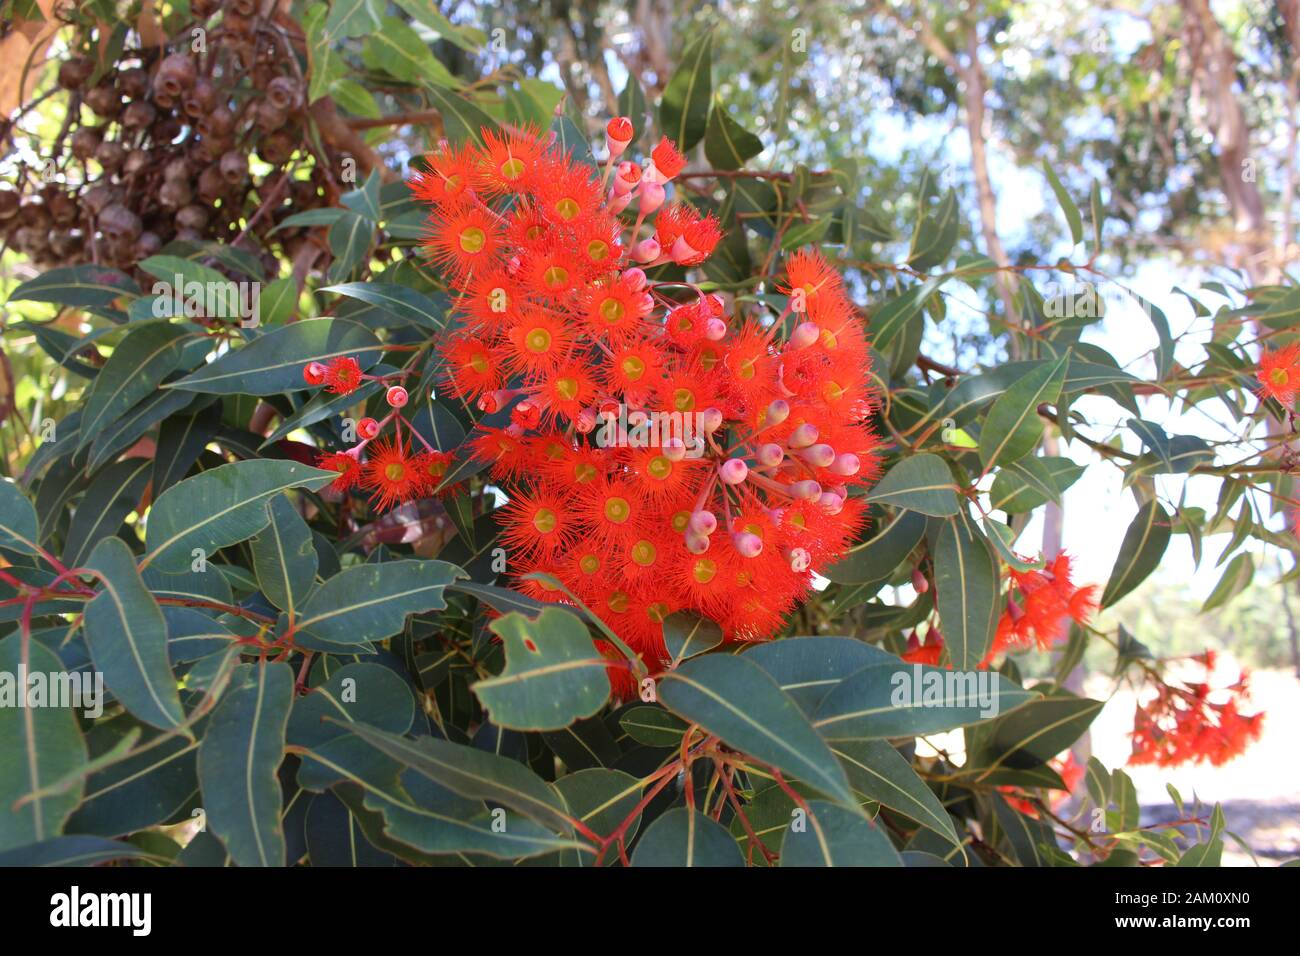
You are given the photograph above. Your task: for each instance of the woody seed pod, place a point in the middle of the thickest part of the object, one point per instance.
(211, 184)
(192, 216)
(270, 117)
(75, 72)
(134, 83)
(175, 75)
(219, 122)
(110, 154)
(285, 93)
(200, 100)
(84, 141)
(234, 167)
(136, 162)
(63, 209)
(8, 203)
(117, 222)
(139, 115)
(104, 99)
(175, 193)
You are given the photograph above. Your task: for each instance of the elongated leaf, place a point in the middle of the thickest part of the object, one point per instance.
(18, 526)
(879, 772)
(1140, 553)
(876, 557)
(831, 836)
(553, 675)
(727, 144)
(807, 668)
(39, 746)
(1068, 207)
(1236, 578)
(127, 637)
(684, 108)
(905, 700)
(139, 791)
(1024, 485)
(233, 501)
(134, 423)
(936, 235)
(918, 483)
(967, 583)
(405, 303)
(284, 557)
(370, 602)
(1033, 734)
(473, 773)
(686, 837)
(462, 119)
(273, 361)
(1013, 426)
(84, 286)
(113, 495)
(238, 760)
(736, 699)
(686, 634)
(74, 851)
(140, 362)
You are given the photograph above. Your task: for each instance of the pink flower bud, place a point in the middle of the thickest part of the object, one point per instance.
(804, 335)
(733, 471)
(626, 178)
(819, 456)
(615, 203)
(697, 543)
(803, 436)
(715, 330)
(777, 412)
(798, 558)
(367, 428)
(650, 195)
(747, 545)
(647, 250)
(702, 522)
(586, 421)
(618, 134)
(710, 420)
(674, 449)
(314, 373)
(633, 279)
(770, 455)
(396, 396)
(831, 503)
(846, 464)
(805, 489)
(920, 583)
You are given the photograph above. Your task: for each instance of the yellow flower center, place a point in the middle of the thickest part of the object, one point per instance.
(589, 564)
(544, 521)
(512, 168)
(680, 520)
(556, 277)
(617, 510)
(618, 602)
(644, 553)
(683, 400)
(478, 362)
(659, 468)
(395, 471)
(633, 368)
(597, 250)
(612, 311)
(472, 239)
(567, 209)
(1279, 376)
(657, 612)
(567, 387)
(832, 392)
(704, 569)
(583, 472)
(538, 341)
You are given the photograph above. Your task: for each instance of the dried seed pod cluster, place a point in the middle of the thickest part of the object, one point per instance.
(172, 143)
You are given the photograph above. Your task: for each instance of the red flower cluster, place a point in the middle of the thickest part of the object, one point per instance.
(1071, 773)
(661, 455)
(1279, 374)
(1040, 605)
(392, 473)
(1195, 722)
